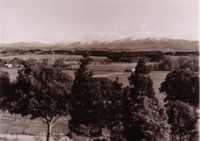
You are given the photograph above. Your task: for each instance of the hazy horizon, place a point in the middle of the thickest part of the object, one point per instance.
(58, 21)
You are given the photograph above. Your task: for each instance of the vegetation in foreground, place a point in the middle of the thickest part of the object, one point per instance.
(129, 113)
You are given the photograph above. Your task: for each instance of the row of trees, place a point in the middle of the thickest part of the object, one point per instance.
(130, 113)
(168, 63)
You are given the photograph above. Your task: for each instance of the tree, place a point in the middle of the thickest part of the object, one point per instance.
(181, 88)
(141, 67)
(181, 85)
(114, 110)
(61, 62)
(40, 91)
(93, 101)
(183, 119)
(183, 63)
(2, 62)
(166, 63)
(140, 82)
(143, 118)
(141, 85)
(145, 121)
(195, 64)
(87, 101)
(82, 90)
(4, 87)
(187, 63)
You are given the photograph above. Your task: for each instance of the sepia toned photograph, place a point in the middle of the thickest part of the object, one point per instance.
(99, 70)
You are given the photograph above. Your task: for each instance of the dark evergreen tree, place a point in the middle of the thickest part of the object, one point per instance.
(140, 82)
(4, 89)
(114, 111)
(141, 85)
(143, 118)
(89, 101)
(141, 67)
(96, 103)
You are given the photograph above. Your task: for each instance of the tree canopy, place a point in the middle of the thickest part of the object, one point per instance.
(181, 85)
(4, 88)
(141, 67)
(146, 121)
(183, 119)
(40, 91)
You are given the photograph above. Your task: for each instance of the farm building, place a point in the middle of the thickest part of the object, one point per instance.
(10, 66)
(130, 69)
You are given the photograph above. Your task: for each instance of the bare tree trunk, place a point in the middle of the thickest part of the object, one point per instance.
(50, 123)
(48, 131)
(180, 136)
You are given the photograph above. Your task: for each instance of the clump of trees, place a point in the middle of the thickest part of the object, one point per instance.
(135, 110)
(129, 113)
(93, 99)
(187, 63)
(168, 63)
(181, 88)
(39, 92)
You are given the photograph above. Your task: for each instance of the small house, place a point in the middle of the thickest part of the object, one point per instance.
(10, 66)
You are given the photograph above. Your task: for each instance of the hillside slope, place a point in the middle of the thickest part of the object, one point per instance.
(127, 44)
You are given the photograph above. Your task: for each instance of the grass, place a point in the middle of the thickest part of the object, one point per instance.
(11, 137)
(15, 127)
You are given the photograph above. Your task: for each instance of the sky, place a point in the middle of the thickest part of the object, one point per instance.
(52, 21)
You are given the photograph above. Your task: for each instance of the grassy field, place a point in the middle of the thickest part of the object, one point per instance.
(17, 125)
(110, 71)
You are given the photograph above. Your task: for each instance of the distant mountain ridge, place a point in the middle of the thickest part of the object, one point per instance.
(126, 44)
